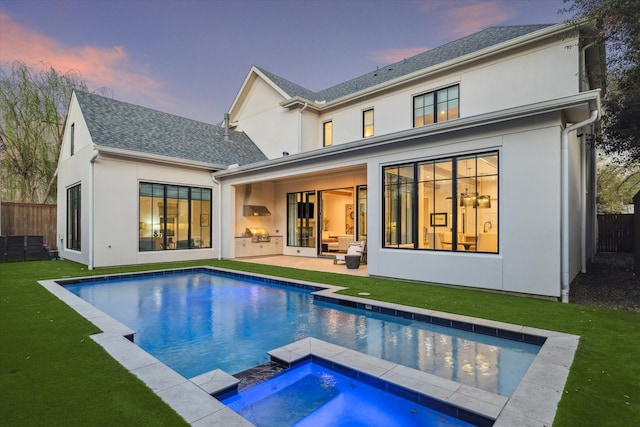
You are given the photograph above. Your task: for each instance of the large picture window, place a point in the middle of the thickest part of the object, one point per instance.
(174, 217)
(74, 202)
(446, 204)
(437, 106)
(300, 219)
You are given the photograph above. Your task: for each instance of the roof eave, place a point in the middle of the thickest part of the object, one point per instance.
(575, 106)
(254, 73)
(156, 158)
(532, 37)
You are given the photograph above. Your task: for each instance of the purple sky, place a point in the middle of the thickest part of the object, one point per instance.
(190, 57)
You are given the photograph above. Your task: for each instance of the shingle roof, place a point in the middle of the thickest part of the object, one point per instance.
(455, 49)
(117, 124)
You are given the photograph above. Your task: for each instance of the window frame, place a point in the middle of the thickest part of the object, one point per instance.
(327, 142)
(176, 196)
(366, 125)
(74, 217)
(300, 215)
(434, 110)
(412, 204)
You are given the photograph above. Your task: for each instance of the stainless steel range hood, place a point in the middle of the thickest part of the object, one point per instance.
(253, 201)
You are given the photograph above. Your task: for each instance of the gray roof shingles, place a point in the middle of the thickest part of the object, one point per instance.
(455, 49)
(125, 126)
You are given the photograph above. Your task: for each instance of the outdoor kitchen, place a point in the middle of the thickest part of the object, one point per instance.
(256, 240)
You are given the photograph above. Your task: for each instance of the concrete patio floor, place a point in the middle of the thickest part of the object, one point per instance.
(306, 263)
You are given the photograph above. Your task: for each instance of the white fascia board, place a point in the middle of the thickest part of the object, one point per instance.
(251, 75)
(535, 36)
(586, 100)
(174, 161)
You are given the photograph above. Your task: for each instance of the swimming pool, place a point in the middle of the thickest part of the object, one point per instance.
(534, 401)
(312, 394)
(198, 321)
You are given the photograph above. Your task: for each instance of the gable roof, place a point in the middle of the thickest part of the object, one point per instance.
(473, 43)
(124, 126)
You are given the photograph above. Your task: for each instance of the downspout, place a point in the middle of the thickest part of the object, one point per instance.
(300, 127)
(564, 241)
(219, 216)
(586, 160)
(92, 160)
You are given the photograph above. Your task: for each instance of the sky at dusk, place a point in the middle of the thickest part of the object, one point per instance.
(190, 57)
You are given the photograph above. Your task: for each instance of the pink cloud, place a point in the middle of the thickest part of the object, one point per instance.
(472, 17)
(99, 67)
(389, 56)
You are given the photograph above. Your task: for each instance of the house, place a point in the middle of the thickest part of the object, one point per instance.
(135, 184)
(468, 164)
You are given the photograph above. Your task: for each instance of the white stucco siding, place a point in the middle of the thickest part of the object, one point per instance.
(535, 75)
(274, 129)
(116, 232)
(530, 210)
(73, 171)
(82, 137)
(529, 201)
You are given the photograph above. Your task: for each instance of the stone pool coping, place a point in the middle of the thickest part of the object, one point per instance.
(533, 403)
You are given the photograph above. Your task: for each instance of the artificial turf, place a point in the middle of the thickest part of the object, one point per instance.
(52, 373)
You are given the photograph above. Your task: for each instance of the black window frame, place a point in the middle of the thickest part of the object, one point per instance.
(365, 124)
(180, 191)
(74, 217)
(435, 105)
(413, 237)
(324, 133)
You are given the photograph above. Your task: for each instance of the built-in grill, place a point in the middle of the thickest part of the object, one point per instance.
(257, 234)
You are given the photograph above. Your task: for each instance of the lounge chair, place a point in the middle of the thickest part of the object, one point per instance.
(355, 248)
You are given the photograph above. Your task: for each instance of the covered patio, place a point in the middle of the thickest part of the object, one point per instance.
(307, 263)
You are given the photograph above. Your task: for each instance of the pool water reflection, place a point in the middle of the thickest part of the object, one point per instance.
(195, 322)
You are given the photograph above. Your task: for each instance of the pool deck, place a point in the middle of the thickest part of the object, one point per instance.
(533, 403)
(307, 263)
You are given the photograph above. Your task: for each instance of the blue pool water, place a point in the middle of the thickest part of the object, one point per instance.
(312, 395)
(195, 322)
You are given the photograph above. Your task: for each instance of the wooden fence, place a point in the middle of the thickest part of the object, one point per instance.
(616, 233)
(30, 219)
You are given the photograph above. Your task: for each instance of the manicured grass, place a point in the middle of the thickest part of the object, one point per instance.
(52, 373)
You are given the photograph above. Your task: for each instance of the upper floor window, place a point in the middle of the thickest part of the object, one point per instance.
(327, 134)
(73, 138)
(437, 106)
(367, 123)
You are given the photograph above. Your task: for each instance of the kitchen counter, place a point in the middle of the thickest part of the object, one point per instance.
(246, 248)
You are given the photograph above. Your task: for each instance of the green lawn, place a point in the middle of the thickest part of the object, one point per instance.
(52, 373)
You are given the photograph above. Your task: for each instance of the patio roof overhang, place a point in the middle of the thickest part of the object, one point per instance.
(574, 108)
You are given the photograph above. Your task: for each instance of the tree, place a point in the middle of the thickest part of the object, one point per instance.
(616, 186)
(617, 25)
(33, 107)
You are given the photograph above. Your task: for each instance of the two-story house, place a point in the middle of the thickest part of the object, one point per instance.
(468, 164)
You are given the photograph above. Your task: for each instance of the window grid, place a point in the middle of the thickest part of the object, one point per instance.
(446, 204)
(174, 217)
(437, 106)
